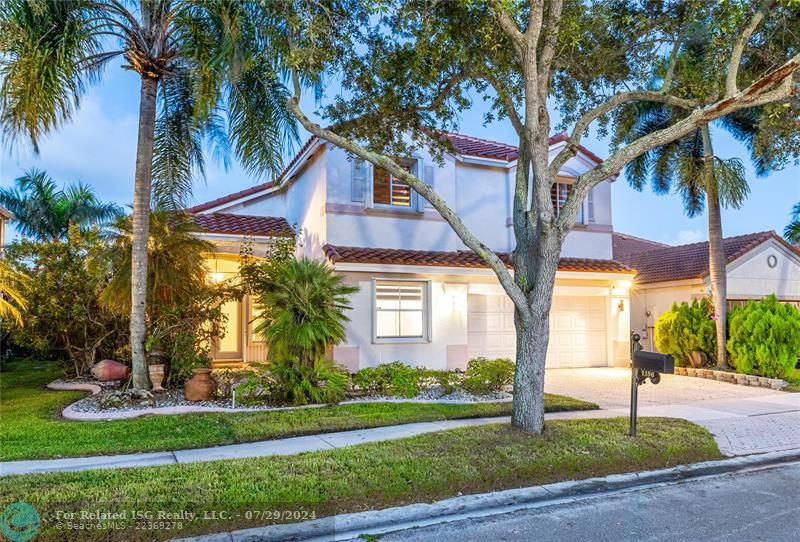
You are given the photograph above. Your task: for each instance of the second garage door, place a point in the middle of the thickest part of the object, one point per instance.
(577, 330)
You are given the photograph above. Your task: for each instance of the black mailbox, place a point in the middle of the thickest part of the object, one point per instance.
(644, 366)
(652, 361)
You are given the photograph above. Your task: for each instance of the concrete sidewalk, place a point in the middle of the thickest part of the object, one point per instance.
(266, 448)
(741, 426)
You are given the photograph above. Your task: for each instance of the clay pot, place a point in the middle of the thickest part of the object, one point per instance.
(201, 387)
(156, 376)
(108, 369)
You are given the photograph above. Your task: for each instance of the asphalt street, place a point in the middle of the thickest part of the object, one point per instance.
(755, 506)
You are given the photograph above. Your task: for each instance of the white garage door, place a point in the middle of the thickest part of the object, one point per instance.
(577, 330)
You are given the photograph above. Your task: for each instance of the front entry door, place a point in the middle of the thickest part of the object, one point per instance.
(229, 347)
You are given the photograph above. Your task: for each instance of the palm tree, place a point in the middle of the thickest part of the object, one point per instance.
(792, 231)
(12, 297)
(704, 180)
(44, 212)
(197, 62)
(304, 305)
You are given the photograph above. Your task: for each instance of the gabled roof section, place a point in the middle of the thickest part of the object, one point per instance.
(458, 258)
(691, 261)
(463, 144)
(625, 244)
(230, 224)
(5, 214)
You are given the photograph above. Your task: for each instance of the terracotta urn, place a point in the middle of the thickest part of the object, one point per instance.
(156, 376)
(108, 369)
(201, 387)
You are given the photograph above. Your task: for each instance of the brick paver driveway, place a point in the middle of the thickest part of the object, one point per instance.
(742, 419)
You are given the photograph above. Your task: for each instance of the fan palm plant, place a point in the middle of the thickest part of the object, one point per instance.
(304, 310)
(44, 212)
(197, 61)
(12, 296)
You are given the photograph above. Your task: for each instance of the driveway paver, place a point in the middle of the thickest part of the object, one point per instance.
(743, 419)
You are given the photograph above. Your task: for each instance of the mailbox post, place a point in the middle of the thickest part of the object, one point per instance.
(645, 365)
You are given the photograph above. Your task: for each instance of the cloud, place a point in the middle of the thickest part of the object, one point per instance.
(685, 237)
(97, 147)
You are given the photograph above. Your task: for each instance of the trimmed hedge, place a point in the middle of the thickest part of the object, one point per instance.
(764, 337)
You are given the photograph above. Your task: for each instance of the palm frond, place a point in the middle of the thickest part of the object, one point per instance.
(731, 179)
(43, 63)
(178, 144)
(792, 231)
(260, 125)
(12, 293)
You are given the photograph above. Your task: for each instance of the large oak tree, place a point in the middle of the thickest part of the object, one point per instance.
(407, 69)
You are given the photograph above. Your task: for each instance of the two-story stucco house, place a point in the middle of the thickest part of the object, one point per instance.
(424, 298)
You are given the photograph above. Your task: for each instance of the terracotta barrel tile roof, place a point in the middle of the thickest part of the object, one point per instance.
(267, 226)
(689, 261)
(458, 258)
(625, 244)
(463, 144)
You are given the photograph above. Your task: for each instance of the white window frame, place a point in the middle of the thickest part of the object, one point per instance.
(426, 312)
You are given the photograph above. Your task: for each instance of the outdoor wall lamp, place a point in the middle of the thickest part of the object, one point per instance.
(621, 305)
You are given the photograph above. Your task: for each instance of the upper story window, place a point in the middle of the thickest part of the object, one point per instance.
(391, 191)
(560, 191)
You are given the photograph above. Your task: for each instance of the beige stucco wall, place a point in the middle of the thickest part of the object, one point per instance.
(448, 325)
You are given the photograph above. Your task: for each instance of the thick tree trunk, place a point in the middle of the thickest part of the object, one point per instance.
(141, 230)
(532, 340)
(533, 330)
(716, 252)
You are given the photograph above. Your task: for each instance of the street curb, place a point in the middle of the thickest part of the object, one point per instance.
(350, 526)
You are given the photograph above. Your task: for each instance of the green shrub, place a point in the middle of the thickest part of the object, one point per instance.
(447, 380)
(488, 375)
(764, 338)
(394, 378)
(687, 328)
(298, 384)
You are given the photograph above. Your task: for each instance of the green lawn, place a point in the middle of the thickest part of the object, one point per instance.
(30, 427)
(370, 476)
(793, 378)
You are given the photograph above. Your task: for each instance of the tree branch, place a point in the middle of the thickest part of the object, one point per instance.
(509, 27)
(508, 103)
(469, 239)
(772, 87)
(739, 45)
(574, 141)
(549, 47)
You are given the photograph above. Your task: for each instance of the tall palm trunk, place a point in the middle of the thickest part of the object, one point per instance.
(716, 251)
(141, 229)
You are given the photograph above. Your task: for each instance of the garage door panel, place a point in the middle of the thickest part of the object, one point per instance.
(577, 330)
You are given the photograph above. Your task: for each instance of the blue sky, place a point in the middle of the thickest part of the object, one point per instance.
(98, 147)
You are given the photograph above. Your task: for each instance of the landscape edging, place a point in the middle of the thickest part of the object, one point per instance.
(404, 517)
(70, 413)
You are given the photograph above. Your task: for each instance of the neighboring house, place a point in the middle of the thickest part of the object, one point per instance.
(5, 216)
(758, 264)
(424, 298)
